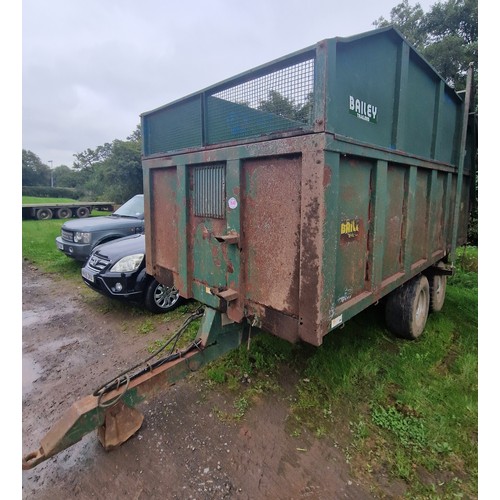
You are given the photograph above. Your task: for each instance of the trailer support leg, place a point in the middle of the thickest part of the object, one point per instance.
(121, 422)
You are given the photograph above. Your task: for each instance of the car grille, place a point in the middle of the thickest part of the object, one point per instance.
(67, 235)
(97, 263)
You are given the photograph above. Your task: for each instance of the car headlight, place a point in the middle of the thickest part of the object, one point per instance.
(82, 237)
(128, 264)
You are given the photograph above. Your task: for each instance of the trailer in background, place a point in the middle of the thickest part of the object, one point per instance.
(46, 211)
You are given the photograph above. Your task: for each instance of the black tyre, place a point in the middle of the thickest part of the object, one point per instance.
(160, 298)
(437, 289)
(407, 308)
(64, 213)
(82, 212)
(44, 214)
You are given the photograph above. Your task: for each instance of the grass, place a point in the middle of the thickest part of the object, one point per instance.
(34, 199)
(39, 247)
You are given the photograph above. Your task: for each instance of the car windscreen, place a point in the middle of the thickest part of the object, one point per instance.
(132, 208)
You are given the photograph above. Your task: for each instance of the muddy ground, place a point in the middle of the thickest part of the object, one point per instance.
(183, 450)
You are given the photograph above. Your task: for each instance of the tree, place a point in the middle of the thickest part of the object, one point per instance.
(408, 20)
(447, 35)
(34, 172)
(136, 135)
(90, 157)
(113, 170)
(122, 171)
(66, 177)
(285, 107)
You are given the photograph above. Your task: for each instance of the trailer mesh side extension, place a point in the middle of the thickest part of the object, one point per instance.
(277, 101)
(277, 98)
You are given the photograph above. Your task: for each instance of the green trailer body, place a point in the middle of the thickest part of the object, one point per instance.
(297, 194)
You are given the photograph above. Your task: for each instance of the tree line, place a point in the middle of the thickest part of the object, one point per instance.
(111, 171)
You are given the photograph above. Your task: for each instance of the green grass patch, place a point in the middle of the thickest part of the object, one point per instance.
(27, 200)
(189, 334)
(39, 247)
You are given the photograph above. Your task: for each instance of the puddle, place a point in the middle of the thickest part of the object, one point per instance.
(31, 372)
(44, 315)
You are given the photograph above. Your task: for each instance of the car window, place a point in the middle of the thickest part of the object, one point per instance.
(132, 208)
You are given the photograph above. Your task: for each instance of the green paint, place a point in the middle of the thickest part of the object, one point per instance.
(378, 236)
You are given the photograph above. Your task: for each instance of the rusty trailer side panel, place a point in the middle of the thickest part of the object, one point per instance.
(319, 232)
(296, 209)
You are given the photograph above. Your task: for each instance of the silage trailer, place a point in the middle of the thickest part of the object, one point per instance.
(290, 198)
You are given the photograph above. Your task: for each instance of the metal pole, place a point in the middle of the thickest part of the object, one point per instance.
(463, 139)
(51, 174)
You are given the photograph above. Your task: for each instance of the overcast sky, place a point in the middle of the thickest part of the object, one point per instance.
(90, 68)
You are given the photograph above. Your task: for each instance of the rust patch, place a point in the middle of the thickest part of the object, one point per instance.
(327, 176)
(215, 255)
(309, 278)
(281, 325)
(271, 231)
(163, 237)
(227, 261)
(163, 275)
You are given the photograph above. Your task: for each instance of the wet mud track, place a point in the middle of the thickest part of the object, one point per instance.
(183, 450)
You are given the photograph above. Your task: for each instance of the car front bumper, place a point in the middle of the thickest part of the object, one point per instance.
(124, 286)
(78, 251)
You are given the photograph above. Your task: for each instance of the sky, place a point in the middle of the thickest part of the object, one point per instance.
(90, 68)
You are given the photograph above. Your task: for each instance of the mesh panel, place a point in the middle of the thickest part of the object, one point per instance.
(176, 127)
(278, 101)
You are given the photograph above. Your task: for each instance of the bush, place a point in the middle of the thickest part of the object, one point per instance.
(51, 192)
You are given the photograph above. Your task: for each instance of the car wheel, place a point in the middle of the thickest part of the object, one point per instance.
(160, 298)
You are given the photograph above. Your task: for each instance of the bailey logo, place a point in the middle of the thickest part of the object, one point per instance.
(349, 228)
(363, 110)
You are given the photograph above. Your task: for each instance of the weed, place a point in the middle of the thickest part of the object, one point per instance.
(184, 340)
(359, 430)
(146, 327)
(408, 429)
(241, 405)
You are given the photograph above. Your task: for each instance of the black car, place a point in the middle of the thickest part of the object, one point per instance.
(118, 269)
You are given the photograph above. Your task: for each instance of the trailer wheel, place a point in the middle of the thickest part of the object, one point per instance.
(437, 288)
(44, 214)
(160, 298)
(407, 308)
(82, 212)
(64, 213)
